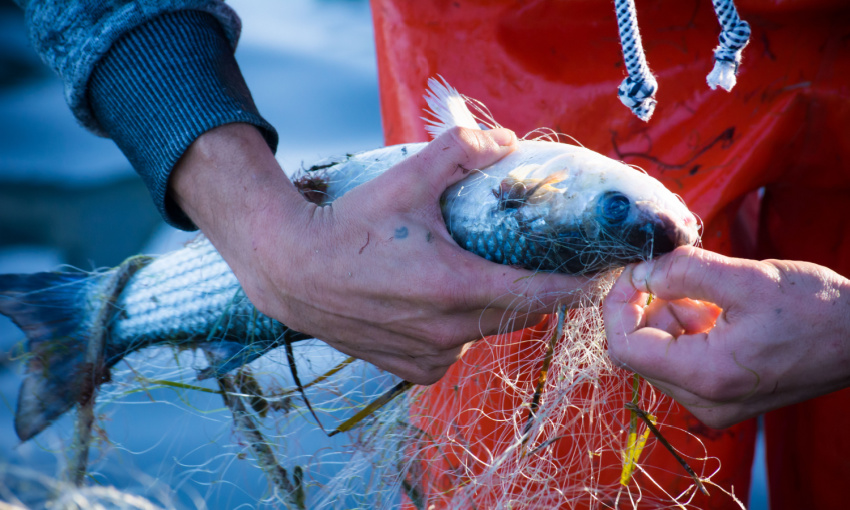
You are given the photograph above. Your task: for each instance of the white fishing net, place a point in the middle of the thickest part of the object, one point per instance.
(536, 419)
(533, 419)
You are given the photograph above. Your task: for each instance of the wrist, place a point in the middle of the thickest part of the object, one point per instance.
(229, 184)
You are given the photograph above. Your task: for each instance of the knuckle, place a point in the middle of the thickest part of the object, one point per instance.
(452, 292)
(400, 184)
(683, 265)
(427, 377)
(262, 303)
(467, 142)
(716, 389)
(769, 275)
(444, 340)
(681, 268)
(428, 370)
(616, 353)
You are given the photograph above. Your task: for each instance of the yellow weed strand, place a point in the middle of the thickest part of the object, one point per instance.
(634, 448)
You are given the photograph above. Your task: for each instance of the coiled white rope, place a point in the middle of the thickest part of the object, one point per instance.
(638, 89)
(727, 56)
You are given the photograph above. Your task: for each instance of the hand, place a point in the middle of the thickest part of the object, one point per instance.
(375, 274)
(779, 333)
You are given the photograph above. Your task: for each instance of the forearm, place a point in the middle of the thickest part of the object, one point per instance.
(229, 183)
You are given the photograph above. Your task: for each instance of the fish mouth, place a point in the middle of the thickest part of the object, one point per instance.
(666, 233)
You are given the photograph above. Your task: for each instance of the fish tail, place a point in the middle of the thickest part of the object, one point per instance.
(62, 315)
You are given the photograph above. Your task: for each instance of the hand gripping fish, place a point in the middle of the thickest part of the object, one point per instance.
(547, 206)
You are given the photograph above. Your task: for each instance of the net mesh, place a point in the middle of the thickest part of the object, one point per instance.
(531, 419)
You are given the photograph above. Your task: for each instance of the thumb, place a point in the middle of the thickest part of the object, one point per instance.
(690, 272)
(454, 154)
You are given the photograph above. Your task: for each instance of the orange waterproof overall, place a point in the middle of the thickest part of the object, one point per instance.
(784, 129)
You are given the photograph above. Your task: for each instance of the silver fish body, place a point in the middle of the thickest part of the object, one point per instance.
(190, 296)
(546, 206)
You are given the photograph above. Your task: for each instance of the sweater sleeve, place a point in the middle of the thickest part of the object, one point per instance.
(153, 76)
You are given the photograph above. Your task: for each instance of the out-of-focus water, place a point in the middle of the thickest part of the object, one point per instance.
(67, 196)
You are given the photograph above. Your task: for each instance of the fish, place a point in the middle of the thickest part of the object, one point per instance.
(547, 206)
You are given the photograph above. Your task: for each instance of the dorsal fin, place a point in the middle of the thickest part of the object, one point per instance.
(448, 107)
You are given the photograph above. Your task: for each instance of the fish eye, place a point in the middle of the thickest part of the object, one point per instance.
(614, 207)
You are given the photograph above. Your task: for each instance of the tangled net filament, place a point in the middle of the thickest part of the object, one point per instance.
(484, 441)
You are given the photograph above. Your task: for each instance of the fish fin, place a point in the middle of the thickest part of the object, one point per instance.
(226, 356)
(61, 314)
(448, 107)
(50, 308)
(512, 193)
(553, 178)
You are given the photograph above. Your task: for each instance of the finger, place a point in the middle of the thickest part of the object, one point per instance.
(418, 370)
(656, 354)
(529, 292)
(690, 272)
(453, 155)
(693, 315)
(660, 341)
(681, 316)
(659, 315)
(623, 308)
(446, 333)
(495, 321)
(402, 363)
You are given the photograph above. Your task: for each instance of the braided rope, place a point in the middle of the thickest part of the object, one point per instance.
(734, 36)
(638, 90)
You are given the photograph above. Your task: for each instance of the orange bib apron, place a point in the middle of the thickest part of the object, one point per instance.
(766, 167)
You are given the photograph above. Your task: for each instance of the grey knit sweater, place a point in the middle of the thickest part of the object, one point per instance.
(151, 75)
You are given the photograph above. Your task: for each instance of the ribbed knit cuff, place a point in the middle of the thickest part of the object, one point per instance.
(160, 87)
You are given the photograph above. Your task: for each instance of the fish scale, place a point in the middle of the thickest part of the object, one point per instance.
(502, 245)
(179, 297)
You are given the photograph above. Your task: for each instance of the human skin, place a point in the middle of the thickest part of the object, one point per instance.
(375, 274)
(731, 338)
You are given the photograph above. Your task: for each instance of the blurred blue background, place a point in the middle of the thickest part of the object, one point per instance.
(68, 197)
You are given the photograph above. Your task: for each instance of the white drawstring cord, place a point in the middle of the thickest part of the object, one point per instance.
(638, 89)
(734, 36)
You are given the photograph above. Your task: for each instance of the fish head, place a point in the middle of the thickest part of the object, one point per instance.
(589, 213)
(647, 225)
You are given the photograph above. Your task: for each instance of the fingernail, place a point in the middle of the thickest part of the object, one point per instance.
(640, 276)
(503, 137)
